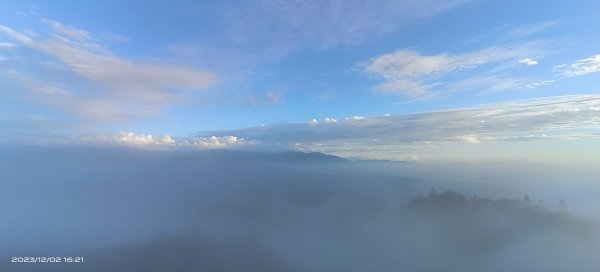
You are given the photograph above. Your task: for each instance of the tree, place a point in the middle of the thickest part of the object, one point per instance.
(526, 199)
(432, 192)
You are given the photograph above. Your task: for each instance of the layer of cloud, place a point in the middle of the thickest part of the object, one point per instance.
(399, 136)
(93, 82)
(556, 118)
(413, 74)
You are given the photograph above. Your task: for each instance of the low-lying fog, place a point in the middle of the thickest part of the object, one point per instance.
(126, 210)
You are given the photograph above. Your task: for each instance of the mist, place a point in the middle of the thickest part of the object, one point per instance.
(134, 210)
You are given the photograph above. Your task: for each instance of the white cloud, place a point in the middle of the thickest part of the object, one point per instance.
(528, 61)
(581, 67)
(223, 142)
(354, 118)
(124, 75)
(131, 138)
(167, 141)
(413, 74)
(472, 138)
(101, 86)
(330, 120)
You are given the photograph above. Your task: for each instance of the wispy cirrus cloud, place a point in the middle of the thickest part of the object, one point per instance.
(93, 82)
(7, 45)
(294, 25)
(325, 23)
(524, 31)
(490, 82)
(69, 32)
(413, 74)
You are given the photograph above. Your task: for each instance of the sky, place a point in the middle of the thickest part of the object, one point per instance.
(453, 80)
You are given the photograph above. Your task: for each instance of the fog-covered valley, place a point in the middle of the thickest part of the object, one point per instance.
(132, 210)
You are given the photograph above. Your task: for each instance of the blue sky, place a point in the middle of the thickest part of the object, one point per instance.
(308, 75)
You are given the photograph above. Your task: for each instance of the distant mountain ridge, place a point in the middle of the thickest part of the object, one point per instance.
(217, 155)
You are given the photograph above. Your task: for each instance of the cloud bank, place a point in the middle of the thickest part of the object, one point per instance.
(401, 136)
(149, 141)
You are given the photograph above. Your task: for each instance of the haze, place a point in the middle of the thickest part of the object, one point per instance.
(456, 135)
